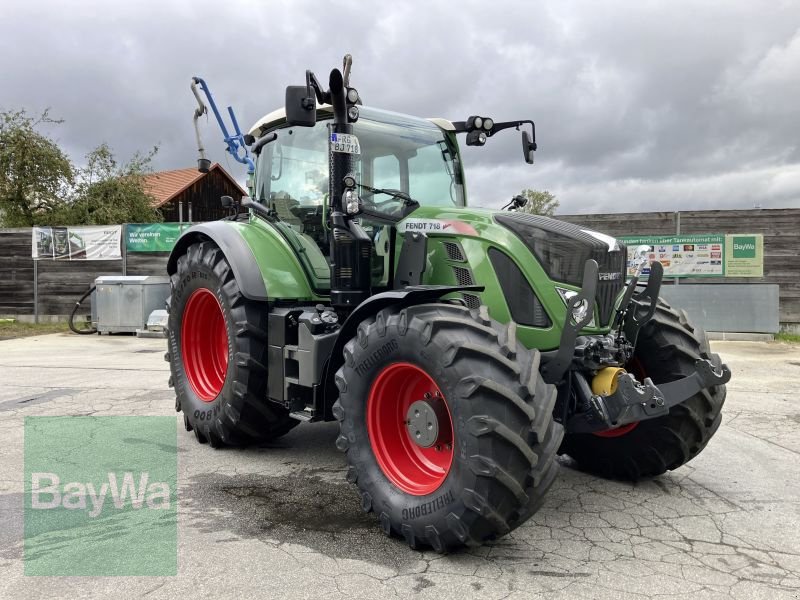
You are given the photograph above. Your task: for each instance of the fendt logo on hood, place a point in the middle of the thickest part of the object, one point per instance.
(444, 226)
(609, 276)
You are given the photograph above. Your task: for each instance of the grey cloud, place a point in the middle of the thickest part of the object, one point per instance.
(637, 105)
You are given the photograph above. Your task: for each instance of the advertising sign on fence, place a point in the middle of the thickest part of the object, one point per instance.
(702, 255)
(101, 242)
(744, 255)
(152, 237)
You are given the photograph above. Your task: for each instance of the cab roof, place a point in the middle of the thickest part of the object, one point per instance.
(278, 117)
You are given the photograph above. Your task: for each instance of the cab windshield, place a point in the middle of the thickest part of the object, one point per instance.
(399, 153)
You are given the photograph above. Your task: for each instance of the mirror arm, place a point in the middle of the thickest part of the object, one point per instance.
(312, 83)
(461, 127)
(515, 124)
(263, 141)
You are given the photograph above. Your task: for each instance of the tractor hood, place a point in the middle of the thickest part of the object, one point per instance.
(560, 249)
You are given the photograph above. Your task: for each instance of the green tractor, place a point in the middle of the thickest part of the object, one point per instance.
(461, 350)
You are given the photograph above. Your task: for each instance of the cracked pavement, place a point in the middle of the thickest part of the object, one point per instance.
(280, 521)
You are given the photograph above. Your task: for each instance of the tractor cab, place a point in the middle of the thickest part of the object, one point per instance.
(402, 160)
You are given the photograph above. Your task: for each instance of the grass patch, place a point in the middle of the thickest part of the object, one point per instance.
(10, 329)
(789, 338)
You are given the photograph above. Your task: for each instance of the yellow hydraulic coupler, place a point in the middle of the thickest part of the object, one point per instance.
(605, 382)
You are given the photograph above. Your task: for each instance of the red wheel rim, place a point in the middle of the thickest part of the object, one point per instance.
(617, 431)
(415, 470)
(635, 367)
(204, 344)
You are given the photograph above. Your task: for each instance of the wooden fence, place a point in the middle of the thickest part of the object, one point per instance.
(60, 283)
(46, 288)
(780, 226)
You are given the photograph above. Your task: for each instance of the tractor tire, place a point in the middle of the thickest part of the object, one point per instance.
(217, 352)
(494, 456)
(667, 349)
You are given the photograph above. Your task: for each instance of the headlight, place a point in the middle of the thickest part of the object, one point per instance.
(580, 310)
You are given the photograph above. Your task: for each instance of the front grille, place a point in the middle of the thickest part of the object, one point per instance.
(463, 276)
(563, 248)
(608, 290)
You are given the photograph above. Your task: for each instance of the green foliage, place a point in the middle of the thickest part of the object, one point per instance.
(540, 203)
(10, 328)
(40, 186)
(789, 338)
(106, 192)
(35, 174)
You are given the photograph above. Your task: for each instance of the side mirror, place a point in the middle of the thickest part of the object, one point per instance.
(518, 202)
(301, 106)
(527, 147)
(226, 201)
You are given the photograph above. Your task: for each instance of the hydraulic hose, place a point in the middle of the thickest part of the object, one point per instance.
(71, 321)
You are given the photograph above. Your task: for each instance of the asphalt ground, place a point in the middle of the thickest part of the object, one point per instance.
(282, 522)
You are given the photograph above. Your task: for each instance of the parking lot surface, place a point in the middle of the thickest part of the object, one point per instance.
(282, 522)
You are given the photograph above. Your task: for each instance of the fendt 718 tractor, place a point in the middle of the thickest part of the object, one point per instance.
(461, 350)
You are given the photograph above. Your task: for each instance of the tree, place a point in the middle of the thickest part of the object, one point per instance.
(539, 203)
(107, 193)
(35, 173)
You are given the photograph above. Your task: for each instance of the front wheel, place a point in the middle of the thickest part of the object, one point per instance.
(447, 425)
(218, 354)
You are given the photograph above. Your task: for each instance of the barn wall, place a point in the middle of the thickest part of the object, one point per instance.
(204, 197)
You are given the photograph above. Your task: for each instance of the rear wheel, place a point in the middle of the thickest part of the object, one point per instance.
(667, 349)
(218, 354)
(447, 425)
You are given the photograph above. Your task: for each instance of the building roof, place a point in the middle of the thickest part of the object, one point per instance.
(165, 185)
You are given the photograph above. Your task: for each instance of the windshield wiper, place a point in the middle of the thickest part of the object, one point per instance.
(407, 200)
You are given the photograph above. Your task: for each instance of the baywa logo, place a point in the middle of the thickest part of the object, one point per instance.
(100, 496)
(744, 246)
(47, 493)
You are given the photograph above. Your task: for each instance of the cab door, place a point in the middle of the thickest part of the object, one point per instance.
(292, 181)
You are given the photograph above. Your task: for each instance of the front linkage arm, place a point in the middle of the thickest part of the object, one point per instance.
(633, 401)
(636, 310)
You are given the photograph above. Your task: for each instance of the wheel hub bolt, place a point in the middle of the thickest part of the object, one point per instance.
(423, 419)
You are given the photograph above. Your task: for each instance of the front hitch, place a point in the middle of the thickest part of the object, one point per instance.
(634, 401)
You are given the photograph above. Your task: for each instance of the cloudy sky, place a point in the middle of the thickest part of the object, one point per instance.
(639, 105)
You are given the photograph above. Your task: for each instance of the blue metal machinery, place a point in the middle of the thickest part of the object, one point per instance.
(237, 147)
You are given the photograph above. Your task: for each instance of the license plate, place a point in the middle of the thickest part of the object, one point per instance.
(345, 143)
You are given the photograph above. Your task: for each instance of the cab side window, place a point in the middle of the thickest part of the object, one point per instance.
(386, 172)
